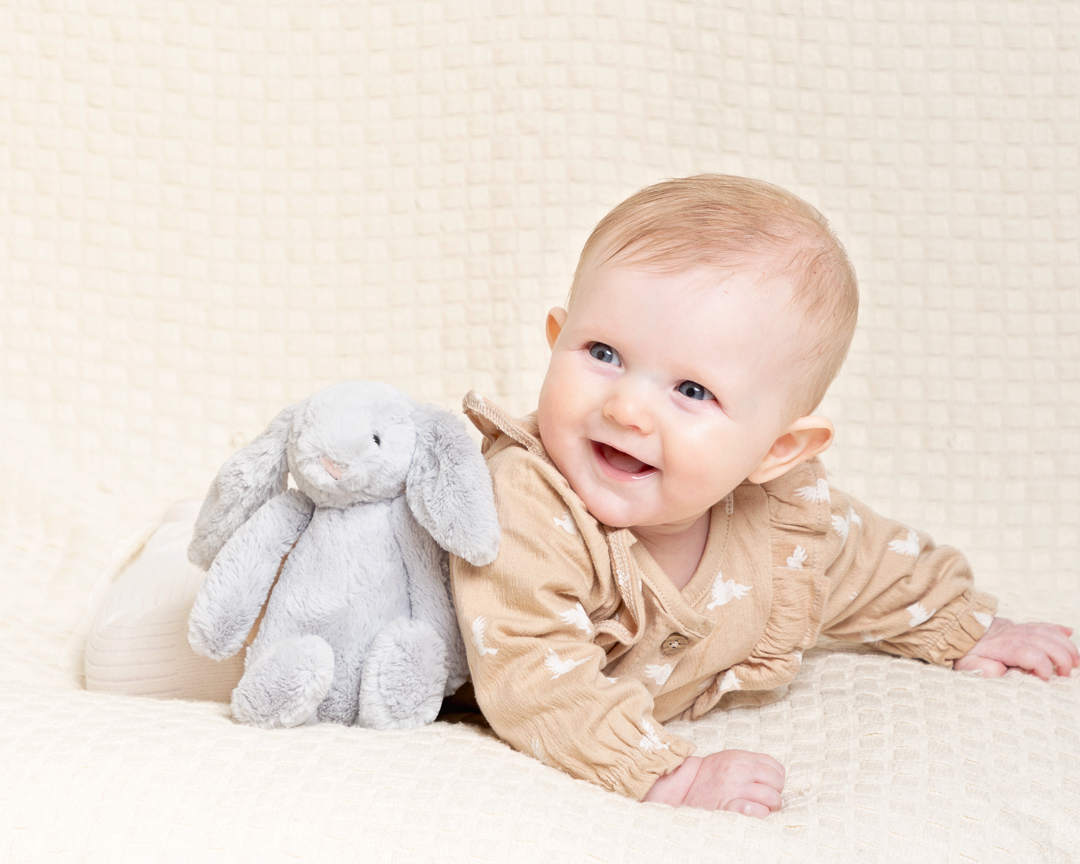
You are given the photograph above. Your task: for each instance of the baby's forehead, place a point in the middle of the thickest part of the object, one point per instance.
(769, 282)
(711, 261)
(752, 303)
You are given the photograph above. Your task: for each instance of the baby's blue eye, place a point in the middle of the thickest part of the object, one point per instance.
(604, 353)
(693, 390)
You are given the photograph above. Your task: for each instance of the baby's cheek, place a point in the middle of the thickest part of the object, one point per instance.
(691, 462)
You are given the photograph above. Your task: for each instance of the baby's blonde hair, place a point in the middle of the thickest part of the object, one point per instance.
(722, 221)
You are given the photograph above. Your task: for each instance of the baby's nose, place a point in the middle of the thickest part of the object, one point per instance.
(629, 406)
(332, 468)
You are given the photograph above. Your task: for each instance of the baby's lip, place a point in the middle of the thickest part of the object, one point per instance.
(620, 464)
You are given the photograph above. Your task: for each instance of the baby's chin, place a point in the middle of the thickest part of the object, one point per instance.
(613, 520)
(609, 509)
(616, 512)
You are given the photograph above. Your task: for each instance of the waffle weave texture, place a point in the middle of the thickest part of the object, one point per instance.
(211, 208)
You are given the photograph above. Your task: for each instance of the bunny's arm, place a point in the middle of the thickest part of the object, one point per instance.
(429, 588)
(242, 574)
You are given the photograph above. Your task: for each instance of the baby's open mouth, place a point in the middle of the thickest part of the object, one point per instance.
(620, 461)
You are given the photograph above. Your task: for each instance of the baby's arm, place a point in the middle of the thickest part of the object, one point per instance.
(893, 589)
(539, 677)
(530, 621)
(1041, 649)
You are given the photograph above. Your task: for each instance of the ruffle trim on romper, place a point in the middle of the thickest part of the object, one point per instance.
(798, 530)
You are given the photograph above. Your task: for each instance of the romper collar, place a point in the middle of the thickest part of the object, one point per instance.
(681, 605)
(495, 424)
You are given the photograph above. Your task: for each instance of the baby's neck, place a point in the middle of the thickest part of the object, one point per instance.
(677, 551)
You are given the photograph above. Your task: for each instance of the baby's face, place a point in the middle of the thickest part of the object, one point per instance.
(666, 390)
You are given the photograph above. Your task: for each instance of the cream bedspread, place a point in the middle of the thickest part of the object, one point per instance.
(210, 208)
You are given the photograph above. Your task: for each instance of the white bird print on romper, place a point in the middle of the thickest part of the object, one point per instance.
(818, 492)
(558, 666)
(984, 619)
(724, 592)
(842, 525)
(908, 546)
(566, 522)
(478, 626)
(651, 741)
(730, 681)
(577, 617)
(919, 614)
(797, 558)
(659, 673)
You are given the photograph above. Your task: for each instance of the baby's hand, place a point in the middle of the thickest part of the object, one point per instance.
(735, 780)
(1038, 648)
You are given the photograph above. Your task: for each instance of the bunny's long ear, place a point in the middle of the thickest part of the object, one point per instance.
(449, 489)
(248, 479)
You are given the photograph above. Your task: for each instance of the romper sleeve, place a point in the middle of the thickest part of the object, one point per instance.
(528, 620)
(892, 588)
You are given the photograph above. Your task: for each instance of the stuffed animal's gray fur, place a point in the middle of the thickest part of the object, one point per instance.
(360, 626)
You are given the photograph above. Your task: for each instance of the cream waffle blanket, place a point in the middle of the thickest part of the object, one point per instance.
(211, 208)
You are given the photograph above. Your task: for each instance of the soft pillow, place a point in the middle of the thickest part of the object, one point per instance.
(137, 639)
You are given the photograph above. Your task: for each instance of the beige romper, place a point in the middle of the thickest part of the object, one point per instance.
(581, 648)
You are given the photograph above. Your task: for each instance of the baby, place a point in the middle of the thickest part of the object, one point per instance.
(669, 535)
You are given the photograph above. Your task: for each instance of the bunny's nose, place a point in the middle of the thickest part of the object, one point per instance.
(332, 468)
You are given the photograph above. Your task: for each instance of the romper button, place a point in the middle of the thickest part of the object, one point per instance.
(673, 644)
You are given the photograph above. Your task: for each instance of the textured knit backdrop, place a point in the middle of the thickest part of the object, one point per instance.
(210, 208)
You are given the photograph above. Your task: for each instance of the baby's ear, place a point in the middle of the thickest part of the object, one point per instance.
(804, 439)
(556, 318)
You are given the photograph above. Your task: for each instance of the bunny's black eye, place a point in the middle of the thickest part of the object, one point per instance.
(378, 441)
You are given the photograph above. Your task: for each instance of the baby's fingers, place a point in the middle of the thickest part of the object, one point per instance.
(1063, 655)
(774, 769)
(1070, 647)
(1028, 658)
(983, 665)
(767, 772)
(1044, 655)
(748, 808)
(759, 801)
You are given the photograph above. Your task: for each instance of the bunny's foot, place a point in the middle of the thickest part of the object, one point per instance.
(285, 685)
(404, 674)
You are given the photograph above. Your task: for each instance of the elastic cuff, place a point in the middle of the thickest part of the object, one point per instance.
(636, 776)
(966, 629)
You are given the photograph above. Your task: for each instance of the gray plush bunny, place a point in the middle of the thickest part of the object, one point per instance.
(360, 626)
